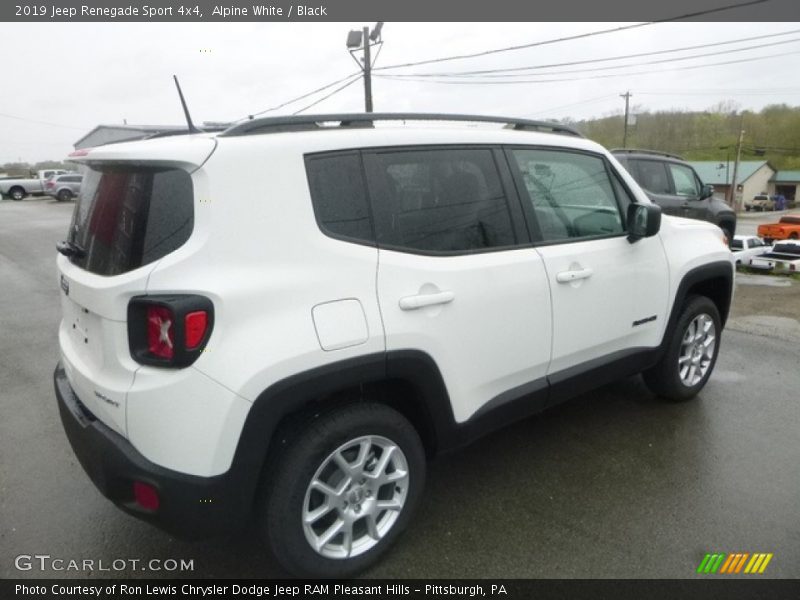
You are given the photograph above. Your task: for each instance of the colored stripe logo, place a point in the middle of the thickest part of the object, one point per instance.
(734, 563)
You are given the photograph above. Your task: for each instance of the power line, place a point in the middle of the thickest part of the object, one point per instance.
(563, 106)
(507, 72)
(43, 122)
(742, 92)
(336, 91)
(505, 82)
(612, 67)
(572, 37)
(306, 95)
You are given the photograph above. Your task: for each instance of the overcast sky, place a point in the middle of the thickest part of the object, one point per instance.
(71, 77)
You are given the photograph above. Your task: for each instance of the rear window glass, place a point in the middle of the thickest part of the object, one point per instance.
(787, 249)
(737, 244)
(439, 200)
(127, 217)
(339, 197)
(790, 220)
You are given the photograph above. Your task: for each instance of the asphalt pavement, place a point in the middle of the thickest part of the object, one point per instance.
(612, 484)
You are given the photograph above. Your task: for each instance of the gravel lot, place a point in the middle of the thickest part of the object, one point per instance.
(612, 484)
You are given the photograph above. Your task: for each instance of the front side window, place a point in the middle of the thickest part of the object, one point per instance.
(571, 194)
(652, 176)
(685, 181)
(439, 200)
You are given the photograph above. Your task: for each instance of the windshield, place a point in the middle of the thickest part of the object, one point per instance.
(129, 216)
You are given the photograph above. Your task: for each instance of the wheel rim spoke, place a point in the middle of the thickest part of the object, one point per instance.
(355, 497)
(697, 350)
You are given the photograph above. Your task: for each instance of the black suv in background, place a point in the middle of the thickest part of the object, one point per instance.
(673, 184)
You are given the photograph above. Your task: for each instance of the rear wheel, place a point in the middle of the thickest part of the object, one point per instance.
(793, 235)
(691, 354)
(64, 195)
(342, 491)
(16, 193)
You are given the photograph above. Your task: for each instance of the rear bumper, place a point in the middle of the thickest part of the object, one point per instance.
(189, 507)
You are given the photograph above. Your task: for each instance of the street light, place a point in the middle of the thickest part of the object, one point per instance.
(364, 40)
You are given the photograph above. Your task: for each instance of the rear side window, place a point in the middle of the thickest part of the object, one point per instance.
(339, 197)
(130, 216)
(446, 200)
(651, 175)
(737, 245)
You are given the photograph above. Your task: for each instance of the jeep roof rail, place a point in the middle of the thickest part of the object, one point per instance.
(640, 151)
(314, 122)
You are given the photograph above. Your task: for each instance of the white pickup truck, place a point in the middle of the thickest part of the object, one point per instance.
(783, 258)
(17, 189)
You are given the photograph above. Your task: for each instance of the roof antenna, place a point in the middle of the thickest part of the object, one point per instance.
(192, 128)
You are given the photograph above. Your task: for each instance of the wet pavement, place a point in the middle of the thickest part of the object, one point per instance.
(612, 484)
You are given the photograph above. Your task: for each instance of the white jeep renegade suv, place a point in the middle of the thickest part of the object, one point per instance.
(295, 346)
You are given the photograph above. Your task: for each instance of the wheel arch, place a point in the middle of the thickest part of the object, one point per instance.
(408, 381)
(713, 280)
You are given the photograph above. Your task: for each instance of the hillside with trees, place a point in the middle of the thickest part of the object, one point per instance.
(772, 134)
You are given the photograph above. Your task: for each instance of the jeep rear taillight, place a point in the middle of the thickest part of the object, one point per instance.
(169, 330)
(196, 324)
(160, 332)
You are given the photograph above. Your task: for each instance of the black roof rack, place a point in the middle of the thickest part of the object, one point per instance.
(316, 122)
(639, 151)
(170, 133)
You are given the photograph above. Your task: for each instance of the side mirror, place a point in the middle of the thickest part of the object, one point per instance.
(644, 220)
(707, 191)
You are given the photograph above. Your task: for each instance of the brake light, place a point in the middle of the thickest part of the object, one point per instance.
(146, 495)
(195, 326)
(160, 332)
(50, 183)
(169, 330)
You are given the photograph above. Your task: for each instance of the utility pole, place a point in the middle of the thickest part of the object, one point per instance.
(627, 95)
(363, 40)
(367, 73)
(736, 203)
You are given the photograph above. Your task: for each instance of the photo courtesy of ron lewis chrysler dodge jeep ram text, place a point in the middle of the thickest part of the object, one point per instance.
(392, 287)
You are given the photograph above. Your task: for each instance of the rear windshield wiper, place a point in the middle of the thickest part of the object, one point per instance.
(70, 249)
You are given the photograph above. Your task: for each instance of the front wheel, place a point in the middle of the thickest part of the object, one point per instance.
(342, 491)
(691, 353)
(64, 196)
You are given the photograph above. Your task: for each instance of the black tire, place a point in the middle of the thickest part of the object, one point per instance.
(64, 196)
(16, 193)
(664, 379)
(287, 481)
(768, 241)
(793, 235)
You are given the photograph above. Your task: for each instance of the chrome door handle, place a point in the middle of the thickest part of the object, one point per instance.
(422, 300)
(568, 276)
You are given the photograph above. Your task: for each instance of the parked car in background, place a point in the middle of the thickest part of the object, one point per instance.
(18, 188)
(745, 247)
(63, 187)
(787, 228)
(760, 202)
(674, 185)
(784, 257)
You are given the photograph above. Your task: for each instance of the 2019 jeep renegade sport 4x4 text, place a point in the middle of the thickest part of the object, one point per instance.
(296, 350)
